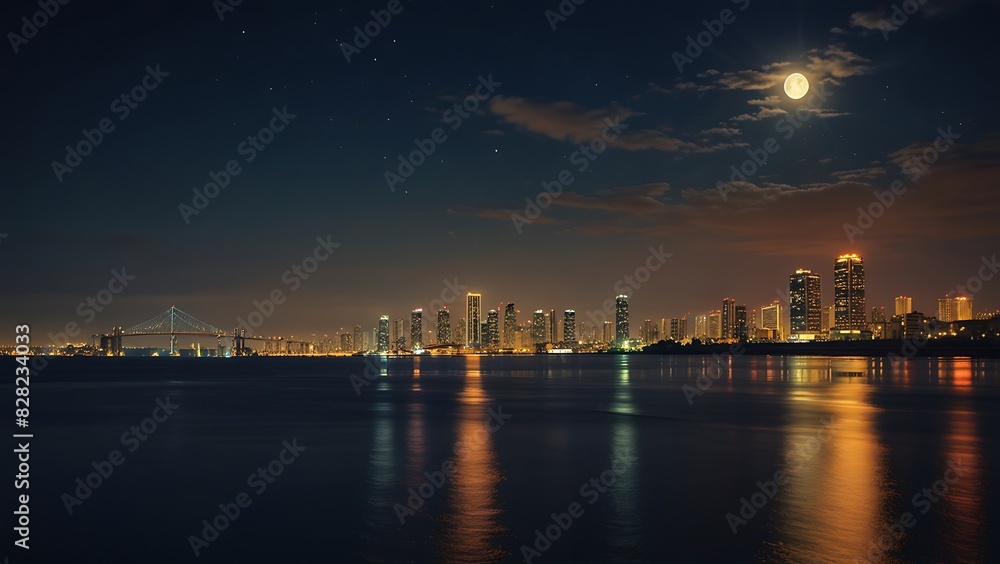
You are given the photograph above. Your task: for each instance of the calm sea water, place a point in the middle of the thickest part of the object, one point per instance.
(857, 442)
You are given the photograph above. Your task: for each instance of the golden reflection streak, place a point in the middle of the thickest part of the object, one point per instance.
(834, 504)
(624, 524)
(963, 504)
(472, 530)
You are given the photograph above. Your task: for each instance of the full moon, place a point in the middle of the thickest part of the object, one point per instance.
(796, 86)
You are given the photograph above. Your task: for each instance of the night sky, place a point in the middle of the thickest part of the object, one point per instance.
(324, 174)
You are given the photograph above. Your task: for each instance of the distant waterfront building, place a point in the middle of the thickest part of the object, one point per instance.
(715, 324)
(417, 329)
(569, 327)
(849, 292)
(458, 332)
(958, 308)
(904, 305)
(345, 342)
(829, 318)
(397, 337)
(492, 335)
(382, 345)
(741, 329)
(726, 323)
(553, 332)
(356, 341)
(701, 327)
(443, 327)
(538, 327)
(474, 321)
(509, 326)
(621, 320)
(608, 332)
(678, 329)
(648, 332)
(770, 319)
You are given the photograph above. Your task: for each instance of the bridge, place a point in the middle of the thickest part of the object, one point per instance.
(174, 323)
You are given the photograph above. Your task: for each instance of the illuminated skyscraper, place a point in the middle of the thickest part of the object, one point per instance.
(608, 332)
(770, 318)
(805, 301)
(417, 329)
(621, 320)
(701, 326)
(726, 323)
(849, 292)
(538, 327)
(357, 340)
(553, 333)
(569, 327)
(474, 321)
(678, 329)
(904, 305)
(382, 345)
(955, 309)
(492, 336)
(715, 324)
(443, 327)
(829, 318)
(741, 329)
(397, 337)
(648, 332)
(509, 325)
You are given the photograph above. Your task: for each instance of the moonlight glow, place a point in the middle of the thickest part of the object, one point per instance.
(796, 86)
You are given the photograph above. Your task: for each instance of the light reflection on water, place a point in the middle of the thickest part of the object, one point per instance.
(837, 436)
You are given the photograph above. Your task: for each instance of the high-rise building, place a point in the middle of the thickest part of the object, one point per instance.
(492, 336)
(849, 292)
(382, 345)
(458, 331)
(397, 337)
(474, 321)
(417, 329)
(569, 327)
(741, 329)
(678, 329)
(904, 305)
(509, 325)
(357, 341)
(726, 323)
(443, 327)
(958, 308)
(621, 320)
(701, 327)
(553, 332)
(829, 318)
(805, 301)
(770, 319)
(715, 324)
(608, 333)
(538, 327)
(647, 332)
